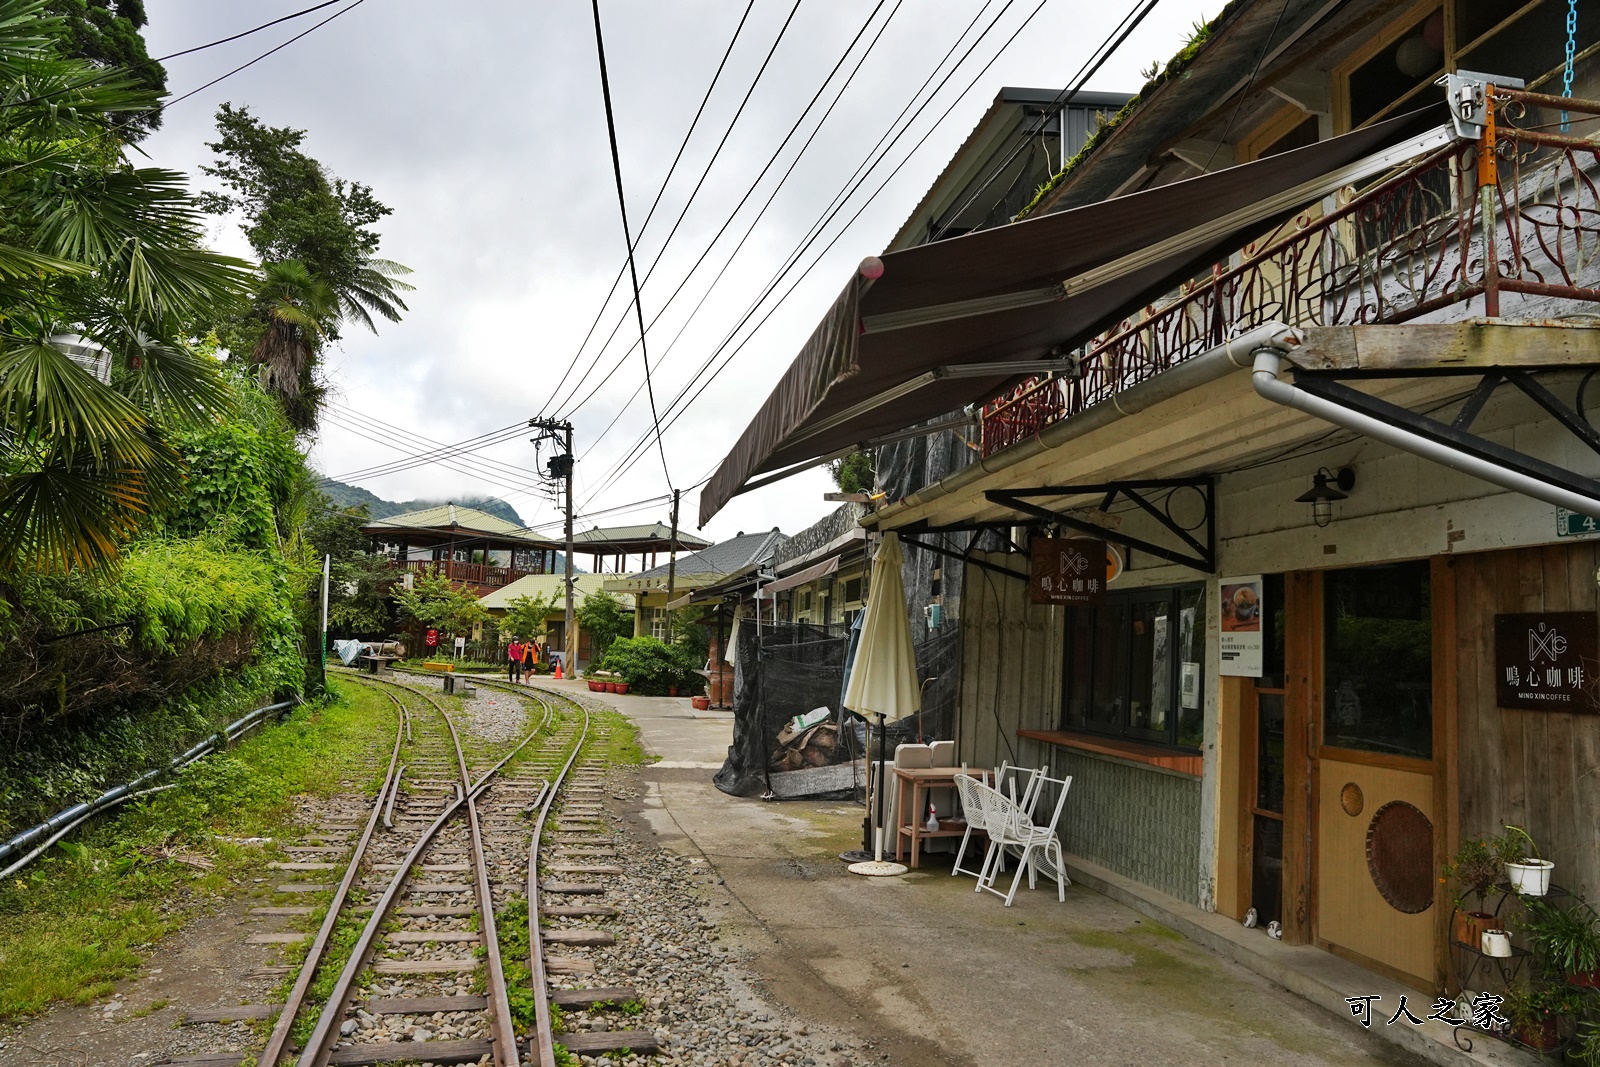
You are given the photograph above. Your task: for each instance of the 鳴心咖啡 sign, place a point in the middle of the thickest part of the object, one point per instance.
(1547, 661)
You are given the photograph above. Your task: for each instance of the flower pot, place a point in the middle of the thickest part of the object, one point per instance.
(1470, 925)
(620, 688)
(1496, 943)
(596, 687)
(1530, 877)
(701, 703)
(611, 687)
(672, 690)
(1585, 980)
(1542, 1035)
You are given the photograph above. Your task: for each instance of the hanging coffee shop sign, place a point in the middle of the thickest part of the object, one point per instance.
(1069, 570)
(1547, 661)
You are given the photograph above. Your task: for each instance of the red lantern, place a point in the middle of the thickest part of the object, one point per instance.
(432, 639)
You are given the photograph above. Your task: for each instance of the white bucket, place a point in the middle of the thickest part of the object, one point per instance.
(1530, 877)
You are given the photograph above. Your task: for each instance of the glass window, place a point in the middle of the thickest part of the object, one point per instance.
(1133, 666)
(1405, 69)
(1378, 659)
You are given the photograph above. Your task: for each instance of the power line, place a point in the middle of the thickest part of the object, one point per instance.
(867, 164)
(682, 145)
(873, 159)
(388, 439)
(699, 183)
(755, 183)
(271, 51)
(161, 108)
(622, 206)
(1091, 66)
(256, 29)
(438, 450)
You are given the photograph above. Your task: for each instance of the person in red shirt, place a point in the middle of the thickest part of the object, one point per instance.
(514, 658)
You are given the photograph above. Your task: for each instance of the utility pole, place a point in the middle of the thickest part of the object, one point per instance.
(570, 660)
(672, 560)
(561, 467)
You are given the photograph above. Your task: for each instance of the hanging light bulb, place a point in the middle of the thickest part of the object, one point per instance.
(1326, 487)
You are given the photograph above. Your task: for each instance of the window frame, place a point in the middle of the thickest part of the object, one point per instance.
(1127, 602)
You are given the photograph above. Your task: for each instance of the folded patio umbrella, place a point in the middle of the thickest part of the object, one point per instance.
(883, 676)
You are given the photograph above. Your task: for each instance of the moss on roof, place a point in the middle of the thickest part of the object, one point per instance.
(1203, 33)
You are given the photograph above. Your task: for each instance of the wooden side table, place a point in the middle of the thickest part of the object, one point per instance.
(919, 780)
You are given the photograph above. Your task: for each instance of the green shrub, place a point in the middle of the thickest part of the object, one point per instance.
(649, 665)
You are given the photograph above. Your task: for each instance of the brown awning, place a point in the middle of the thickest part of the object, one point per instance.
(948, 323)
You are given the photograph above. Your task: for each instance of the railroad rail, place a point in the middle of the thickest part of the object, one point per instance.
(439, 821)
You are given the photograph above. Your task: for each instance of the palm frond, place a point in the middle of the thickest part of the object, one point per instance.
(45, 396)
(171, 382)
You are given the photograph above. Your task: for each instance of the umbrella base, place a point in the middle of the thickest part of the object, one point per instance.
(855, 855)
(877, 868)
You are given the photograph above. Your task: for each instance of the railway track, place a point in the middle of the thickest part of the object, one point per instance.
(406, 964)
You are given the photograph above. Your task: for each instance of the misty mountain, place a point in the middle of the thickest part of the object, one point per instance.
(349, 496)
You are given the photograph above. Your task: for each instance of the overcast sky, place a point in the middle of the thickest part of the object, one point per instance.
(481, 125)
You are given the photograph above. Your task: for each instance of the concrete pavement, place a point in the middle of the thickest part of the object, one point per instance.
(939, 975)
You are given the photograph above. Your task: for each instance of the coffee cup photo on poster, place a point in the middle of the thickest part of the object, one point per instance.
(1240, 607)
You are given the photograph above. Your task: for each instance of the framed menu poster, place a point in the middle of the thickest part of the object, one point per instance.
(1242, 640)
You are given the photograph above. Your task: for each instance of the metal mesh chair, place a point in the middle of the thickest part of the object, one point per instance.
(1011, 827)
(971, 793)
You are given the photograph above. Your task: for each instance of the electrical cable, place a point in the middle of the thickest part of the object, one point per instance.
(1265, 48)
(436, 449)
(873, 157)
(622, 207)
(187, 51)
(683, 283)
(1075, 85)
(257, 29)
(684, 211)
(458, 466)
(162, 107)
(846, 228)
(408, 439)
(682, 146)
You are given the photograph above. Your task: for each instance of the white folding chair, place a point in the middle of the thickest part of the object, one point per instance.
(1010, 827)
(970, 791)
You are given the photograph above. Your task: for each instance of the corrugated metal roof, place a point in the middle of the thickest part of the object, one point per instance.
(656, 531)
(724, 557)
(548, 584)
(447, 515)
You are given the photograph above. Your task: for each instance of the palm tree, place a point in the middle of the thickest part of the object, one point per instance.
(92, 247)
(296, 307)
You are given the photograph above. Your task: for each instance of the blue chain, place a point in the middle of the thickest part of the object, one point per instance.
(1572, 47)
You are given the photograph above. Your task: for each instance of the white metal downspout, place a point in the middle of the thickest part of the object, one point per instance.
(1264, 377)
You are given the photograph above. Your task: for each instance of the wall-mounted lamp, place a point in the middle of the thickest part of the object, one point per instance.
(1326, 487)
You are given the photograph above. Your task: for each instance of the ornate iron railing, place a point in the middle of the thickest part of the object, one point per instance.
(1409, 246)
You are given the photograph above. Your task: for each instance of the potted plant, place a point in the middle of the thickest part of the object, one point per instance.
(620, 688)
(1565, 939)
(1475, 869)
(1534, 1016)
(1528, 875)
(701, 703)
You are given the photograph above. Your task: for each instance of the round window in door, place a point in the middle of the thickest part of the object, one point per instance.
(1400, 856)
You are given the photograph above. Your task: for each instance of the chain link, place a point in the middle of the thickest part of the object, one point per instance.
(1572, 48)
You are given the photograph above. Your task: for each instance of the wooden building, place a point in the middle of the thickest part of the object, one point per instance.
(479, 550)
(1318, 368)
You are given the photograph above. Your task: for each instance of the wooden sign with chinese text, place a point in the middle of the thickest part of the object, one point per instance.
(1068, 571)
(1547, 661)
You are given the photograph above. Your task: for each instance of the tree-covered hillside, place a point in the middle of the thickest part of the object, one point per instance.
(349, 496)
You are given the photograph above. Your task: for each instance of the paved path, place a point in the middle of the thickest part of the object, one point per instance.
(943, 976)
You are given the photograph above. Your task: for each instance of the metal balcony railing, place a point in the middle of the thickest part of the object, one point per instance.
(1415, 244)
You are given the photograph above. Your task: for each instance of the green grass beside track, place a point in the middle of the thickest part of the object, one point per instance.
(84, 914)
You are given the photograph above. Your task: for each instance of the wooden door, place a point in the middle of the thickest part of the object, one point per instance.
(1373, 818)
